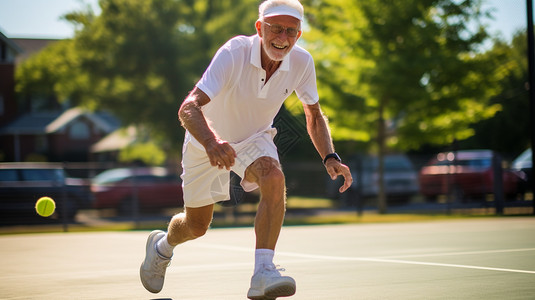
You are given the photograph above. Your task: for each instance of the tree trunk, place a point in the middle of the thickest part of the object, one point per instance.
(381, 137)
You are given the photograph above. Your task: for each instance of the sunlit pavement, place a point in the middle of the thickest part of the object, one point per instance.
(476, 258)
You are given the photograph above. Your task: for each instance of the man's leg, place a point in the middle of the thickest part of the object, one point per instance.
(267, 173)
(191, 224)
(266, 280)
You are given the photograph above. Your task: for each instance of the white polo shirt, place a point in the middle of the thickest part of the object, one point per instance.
(242, 104)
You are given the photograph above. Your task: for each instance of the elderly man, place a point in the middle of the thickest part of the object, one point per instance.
(228, 119)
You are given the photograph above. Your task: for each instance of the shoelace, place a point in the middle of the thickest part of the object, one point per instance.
(163, 262)
(274, 268)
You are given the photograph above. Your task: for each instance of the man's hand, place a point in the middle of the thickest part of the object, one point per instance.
(336, 168)
(220, 153)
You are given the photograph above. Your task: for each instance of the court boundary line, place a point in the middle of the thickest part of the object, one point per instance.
(397, 261)
(408, 262)
(460, 253)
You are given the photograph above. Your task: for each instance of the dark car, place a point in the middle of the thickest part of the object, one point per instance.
(400, 177)
(148, 188)
(523, 165)
(466, 174)
(22, 184)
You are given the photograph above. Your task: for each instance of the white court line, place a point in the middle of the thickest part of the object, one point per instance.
(460, 253)
(409, 262)
(386, 260)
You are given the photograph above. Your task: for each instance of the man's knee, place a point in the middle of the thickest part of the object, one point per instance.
(198, 229)
(266, 171)
(198, 222)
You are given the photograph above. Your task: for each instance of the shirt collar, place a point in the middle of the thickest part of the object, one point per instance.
(257, 62)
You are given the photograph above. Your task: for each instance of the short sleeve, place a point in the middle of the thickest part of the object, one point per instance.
(218, 73)
(307, 90)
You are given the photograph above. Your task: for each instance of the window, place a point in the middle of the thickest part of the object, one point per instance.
(42, 175)
(8, 175)
(3, 52)
(79, 131)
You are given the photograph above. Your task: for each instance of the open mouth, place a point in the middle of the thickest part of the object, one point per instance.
(280, 47)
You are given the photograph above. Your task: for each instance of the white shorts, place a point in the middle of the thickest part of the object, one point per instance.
(204, 184)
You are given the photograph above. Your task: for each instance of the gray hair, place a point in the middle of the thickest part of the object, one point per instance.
(267, 4)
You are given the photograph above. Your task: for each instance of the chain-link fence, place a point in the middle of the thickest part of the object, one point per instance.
(443, 179)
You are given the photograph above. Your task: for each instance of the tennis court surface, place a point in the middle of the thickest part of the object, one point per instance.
(476, 258)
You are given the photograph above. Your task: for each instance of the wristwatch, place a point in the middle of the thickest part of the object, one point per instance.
(332, 155)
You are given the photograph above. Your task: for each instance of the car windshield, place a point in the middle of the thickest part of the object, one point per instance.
(523, 158)
(111, 176)
(476, 163)
(8, 175)
(397, 164)
(42, 174)
(391, 163)
(523, 161)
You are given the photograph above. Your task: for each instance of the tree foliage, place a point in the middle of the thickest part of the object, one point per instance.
(507, 132)
(411, 65)
(137, 59)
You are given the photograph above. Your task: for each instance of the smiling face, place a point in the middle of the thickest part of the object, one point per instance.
(277, 45)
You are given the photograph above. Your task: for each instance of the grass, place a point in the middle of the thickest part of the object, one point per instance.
(300, 211)
(309, 203)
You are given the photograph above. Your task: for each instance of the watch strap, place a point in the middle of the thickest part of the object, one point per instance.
(332, 155)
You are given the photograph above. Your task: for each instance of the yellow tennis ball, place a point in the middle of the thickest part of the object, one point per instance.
(45, 206)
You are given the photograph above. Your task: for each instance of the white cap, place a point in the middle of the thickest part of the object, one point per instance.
(283, 10)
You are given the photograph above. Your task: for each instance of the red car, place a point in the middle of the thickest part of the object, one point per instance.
(154, 188)
(463, 174)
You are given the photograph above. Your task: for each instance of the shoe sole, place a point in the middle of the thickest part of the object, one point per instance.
(281, 290)
(152, 236)
(271, 293)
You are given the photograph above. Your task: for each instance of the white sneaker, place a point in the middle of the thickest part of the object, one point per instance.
(268, 284)
(152, 271)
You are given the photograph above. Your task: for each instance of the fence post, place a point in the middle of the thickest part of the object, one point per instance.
(497, 172)
(135, 195)
(64, 214)
(531, 78)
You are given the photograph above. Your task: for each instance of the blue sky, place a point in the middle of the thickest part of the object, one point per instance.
(41, 18)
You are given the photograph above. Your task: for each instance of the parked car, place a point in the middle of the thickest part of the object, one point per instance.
(22, 184)
(464, 174)
(149, 187)
(523, 164)
(400, 177)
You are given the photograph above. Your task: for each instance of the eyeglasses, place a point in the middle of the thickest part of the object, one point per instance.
(276, 28)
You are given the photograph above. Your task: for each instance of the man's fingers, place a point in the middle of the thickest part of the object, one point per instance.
(344, 171)
(344, 187)
(222, 155)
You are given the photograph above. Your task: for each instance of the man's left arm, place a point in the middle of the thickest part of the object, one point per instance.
(318, 129)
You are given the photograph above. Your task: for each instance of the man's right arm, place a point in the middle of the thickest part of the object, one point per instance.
(220, 153)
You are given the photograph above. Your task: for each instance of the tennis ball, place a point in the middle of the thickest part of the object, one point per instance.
(45, 206)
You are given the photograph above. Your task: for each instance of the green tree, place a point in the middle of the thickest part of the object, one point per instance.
(137, 59)
(401, 74)
(507, 132)
(40, 75)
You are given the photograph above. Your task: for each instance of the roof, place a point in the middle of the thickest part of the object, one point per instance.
(51, 122)
(116, 140)
(34, 123)
(30, 46)
(10, 43)
(71, 115)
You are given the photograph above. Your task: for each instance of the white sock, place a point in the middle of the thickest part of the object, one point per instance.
(164, 248)
(263, 258)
